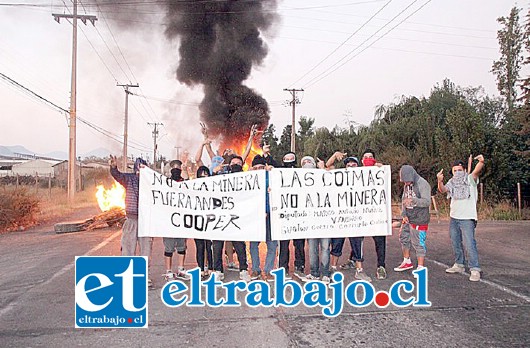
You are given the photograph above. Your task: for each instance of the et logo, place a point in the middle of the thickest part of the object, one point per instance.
(111, 292)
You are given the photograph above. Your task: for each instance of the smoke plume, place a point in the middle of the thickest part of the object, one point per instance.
(219, 43)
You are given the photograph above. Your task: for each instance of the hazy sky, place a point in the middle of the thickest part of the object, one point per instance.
(453, 39)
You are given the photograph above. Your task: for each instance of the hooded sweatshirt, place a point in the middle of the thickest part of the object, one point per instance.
(420, 192)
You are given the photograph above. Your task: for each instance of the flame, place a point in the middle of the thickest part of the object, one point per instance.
(113, 197)
(239, 148)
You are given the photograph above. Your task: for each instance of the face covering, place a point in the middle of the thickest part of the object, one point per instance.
(236, 168)
(175, 173)
(289, 164)
(368, 162)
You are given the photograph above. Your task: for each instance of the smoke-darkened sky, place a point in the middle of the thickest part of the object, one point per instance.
(328, 48)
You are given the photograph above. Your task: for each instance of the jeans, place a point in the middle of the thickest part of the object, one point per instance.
(269, 259)
(464, 231)
(319, 265)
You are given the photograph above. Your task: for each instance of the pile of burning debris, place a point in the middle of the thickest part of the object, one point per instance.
(112, 204)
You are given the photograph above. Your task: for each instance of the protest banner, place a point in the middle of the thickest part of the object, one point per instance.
(221, 207)
(316, 203)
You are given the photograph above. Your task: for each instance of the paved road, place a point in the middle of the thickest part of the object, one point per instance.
(37, 300)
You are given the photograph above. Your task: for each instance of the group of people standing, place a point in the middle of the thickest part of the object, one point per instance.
(324, 253)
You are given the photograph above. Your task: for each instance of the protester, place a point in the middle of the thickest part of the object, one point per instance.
(235, 165)
(203, 247)
(462, 189)
(318, 261)
(131, 183)
(260, 163)
(337, 244)
(289, 161)
(175, 244)
(416, 201)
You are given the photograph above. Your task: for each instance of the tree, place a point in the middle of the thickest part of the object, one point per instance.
(507, 68)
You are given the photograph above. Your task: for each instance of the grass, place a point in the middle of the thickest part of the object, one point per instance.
(46, 205)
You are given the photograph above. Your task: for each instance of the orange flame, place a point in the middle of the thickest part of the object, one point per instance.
(239, 147)
(111, 198)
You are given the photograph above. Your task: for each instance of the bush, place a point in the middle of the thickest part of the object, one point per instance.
(17, 208)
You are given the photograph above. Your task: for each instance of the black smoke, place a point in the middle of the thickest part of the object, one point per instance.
(220, 42)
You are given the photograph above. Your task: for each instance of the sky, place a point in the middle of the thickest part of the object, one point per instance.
(349, 56)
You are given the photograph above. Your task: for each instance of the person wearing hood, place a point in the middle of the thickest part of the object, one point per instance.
(416, 201)
(131, 183)
(462, 189)
(203, 247)
(318, 259)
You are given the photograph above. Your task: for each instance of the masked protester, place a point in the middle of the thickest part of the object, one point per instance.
(175, 244)
(236, 165)
(416, 201)
(337, 244)
(462, 190)
(131, 183)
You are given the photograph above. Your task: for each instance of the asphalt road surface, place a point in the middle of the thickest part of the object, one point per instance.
(37, 299)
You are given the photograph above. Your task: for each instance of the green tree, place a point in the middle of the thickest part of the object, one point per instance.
(507, 68)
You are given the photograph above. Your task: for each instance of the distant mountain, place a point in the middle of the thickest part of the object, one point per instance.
(60, 155)
(11, 150)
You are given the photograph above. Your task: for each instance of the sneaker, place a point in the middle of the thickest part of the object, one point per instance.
(288, 276)
(168, 276)
(299, 272)
(333, 269)
(182, 274)
(348, 265)
(149, 283)
(381, 272)
(269, 277)
(309, 278)
(219, 276)
(405, 265)
(255, 275)
(360, 275)
(420, 267)
(243, 275)
(326, 280)
(475, 276)
(455, 269)
(231, 266)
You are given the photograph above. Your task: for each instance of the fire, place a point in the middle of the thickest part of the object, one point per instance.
(111, 198)
(239, 147)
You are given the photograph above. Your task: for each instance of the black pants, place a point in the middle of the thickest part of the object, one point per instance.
(357, 249)
(241, 251)
(202, 246)
(299, 254)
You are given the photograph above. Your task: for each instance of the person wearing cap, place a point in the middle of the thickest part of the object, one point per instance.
(416, 201)
(356, 243)
(289, 161)
(318, 261)
(462, 189)
(129, 236)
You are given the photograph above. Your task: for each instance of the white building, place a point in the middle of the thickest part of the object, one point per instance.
(36, 167)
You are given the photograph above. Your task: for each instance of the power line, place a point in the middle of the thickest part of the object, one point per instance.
(342, 43)
(329, 71)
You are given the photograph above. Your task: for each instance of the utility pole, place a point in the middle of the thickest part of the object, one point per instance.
(126, 123)
(293, 103)
(178, 151)
(72, 136)
(155, 135)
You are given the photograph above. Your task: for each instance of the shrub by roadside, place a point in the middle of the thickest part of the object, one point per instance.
(17, 208)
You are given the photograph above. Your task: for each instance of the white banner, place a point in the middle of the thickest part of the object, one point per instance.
(315, 203)
(222, 207)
